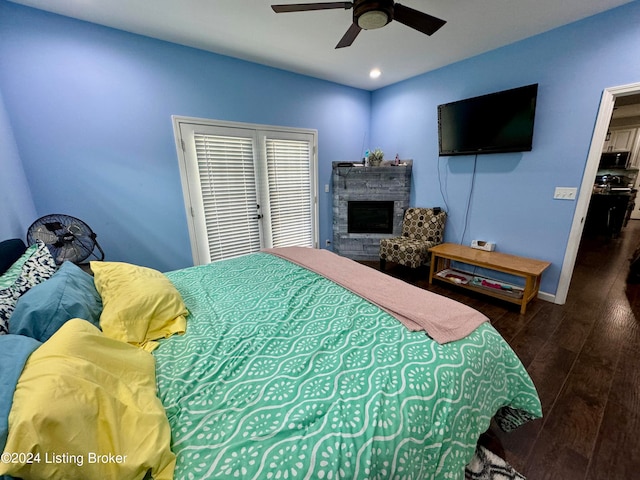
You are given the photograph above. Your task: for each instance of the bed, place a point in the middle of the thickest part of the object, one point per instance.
(256, 367)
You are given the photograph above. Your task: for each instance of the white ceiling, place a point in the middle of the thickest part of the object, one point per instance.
(304, 42)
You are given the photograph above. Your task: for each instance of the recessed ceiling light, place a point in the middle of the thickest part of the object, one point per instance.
(375, 73)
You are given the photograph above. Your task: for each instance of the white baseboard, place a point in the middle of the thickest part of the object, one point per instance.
(549, 297)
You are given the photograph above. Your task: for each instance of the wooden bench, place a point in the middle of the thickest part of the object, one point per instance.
(528, 268)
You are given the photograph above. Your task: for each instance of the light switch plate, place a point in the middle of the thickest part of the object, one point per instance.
(565, 193)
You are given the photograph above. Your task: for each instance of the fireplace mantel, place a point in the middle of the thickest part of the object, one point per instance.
(357, 183)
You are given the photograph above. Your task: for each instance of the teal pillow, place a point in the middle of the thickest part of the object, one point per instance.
(69, 293)
(14, 352)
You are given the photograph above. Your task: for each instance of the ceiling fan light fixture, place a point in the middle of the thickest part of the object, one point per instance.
(373, 19)
(370, 15)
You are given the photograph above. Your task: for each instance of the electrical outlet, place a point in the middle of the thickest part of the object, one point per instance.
(327, 242)
(565, 193)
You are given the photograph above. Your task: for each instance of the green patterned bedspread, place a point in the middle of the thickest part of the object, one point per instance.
(283, 374)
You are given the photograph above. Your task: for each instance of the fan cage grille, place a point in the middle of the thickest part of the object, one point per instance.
(67, 238)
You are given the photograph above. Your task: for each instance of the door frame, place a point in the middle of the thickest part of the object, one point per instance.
(178, 120)
(603, 119)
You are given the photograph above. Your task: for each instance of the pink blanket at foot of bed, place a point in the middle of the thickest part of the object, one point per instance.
(443, 319)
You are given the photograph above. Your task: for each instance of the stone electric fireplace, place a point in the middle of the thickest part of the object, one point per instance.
(368, 204)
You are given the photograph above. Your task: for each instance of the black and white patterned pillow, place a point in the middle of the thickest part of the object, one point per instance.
(39, 267)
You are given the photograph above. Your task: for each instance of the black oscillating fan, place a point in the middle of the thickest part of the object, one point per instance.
(67, 237)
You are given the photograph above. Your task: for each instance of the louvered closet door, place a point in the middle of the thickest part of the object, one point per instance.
(227, 218)
(290, 194)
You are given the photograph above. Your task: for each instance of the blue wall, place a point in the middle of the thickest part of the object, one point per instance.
(90, 108)
(512, 201)
(91, 113)
(16, 206)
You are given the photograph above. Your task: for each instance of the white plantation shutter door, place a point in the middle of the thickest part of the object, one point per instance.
(289, 165)
(229, 196)
(246, 187)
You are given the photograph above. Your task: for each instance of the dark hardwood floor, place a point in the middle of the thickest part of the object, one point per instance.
(584, 358)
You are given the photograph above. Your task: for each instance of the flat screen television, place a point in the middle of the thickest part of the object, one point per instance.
(494, 123)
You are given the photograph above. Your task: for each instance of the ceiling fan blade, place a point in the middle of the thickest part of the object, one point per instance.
(350, 36)
(417, 20)
(304, 7)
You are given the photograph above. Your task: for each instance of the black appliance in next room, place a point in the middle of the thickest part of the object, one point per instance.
(614, 160)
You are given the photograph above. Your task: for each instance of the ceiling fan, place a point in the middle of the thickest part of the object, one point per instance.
(371, 14)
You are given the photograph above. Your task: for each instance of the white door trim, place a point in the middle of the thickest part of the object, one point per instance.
(591, 169)
(188, 176)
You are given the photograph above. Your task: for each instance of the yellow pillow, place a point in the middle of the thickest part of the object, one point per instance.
(85, 407)
(140, 304)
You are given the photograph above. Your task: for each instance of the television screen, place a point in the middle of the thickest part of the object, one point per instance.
(493, 123)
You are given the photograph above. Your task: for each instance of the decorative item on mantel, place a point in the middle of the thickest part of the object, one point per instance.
(376, 157)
